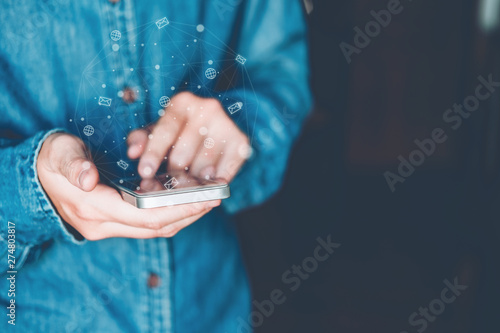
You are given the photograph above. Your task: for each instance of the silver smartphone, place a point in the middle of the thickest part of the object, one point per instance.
(170, 189)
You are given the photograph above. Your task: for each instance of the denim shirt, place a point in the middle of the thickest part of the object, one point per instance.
(72, 66)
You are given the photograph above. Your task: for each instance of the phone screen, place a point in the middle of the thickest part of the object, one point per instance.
(171, 182)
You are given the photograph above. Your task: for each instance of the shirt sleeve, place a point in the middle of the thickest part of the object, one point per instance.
(275, 95)
(26, 213)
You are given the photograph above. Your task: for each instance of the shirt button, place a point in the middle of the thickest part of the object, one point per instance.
(153, 280)
(129, 96)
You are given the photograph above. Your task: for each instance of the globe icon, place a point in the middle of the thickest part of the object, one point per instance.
(164, 101)
(210, 73)
(88, 130)
(115, 35)
(209, 143)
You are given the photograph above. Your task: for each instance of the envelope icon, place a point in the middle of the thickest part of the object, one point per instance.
(171, 183)
(241, 59)
(122, 164)
(104, 101)
(162, 22)
(235, 107)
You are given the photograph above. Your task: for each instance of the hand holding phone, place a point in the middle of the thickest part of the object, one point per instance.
(95, 210)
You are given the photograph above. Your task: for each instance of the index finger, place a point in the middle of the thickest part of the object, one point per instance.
(161, 139)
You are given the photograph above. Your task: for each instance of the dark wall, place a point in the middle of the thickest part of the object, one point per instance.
(396, 247)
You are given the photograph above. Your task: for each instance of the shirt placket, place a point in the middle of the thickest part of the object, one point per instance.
(156, 302)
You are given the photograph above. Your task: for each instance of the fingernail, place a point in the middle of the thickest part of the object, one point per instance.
(208, 172)
(134, 150)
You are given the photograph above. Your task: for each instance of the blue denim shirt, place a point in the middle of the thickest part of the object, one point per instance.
(58, 58)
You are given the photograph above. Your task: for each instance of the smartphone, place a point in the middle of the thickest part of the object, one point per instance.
(170, 189)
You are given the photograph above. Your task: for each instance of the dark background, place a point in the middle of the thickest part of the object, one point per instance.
(441, 223)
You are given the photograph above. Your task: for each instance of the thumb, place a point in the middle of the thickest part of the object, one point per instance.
(79, 170)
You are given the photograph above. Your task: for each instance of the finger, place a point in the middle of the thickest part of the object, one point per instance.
(154, 218)
(137, 141)
(205, 162)
(112, 229)
(161, 140)
(76, 166)
(186, 150)
(232, 160)
(151, 185)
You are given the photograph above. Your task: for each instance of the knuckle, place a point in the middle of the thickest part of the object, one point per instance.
(212, 104)
(183, 97)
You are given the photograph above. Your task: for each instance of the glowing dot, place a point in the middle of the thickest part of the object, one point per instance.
(121, 181)
(200, 28)
(142, 45)
(120, 94)
(103, 85)
(195, 40)
(82, 119)
(148, 171)
(210, 62)
(203, 131)
(150, 136)
(199, 87)
(172, 88)
(157, 66)
(131, 69)
(109, 117)
(115, 47)
(186, 168)
(161, 112)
